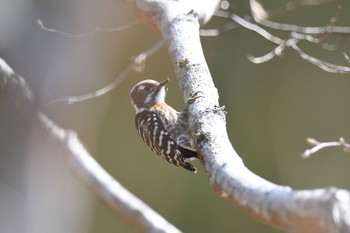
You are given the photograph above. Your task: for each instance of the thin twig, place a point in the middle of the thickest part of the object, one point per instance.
(93, 32)
(215, 32)
(292, 42)
(137, 63)
(253, 27)
(275, 52)
(346, 56)
(329, 67)
(290, 27)
(321, 145)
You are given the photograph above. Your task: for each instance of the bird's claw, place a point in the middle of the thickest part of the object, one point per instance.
(194, 96)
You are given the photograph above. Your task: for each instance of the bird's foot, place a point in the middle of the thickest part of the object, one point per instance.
(194, 96)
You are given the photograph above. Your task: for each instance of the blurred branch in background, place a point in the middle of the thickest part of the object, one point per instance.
(297, 34)
(137, 63)
(15, 90)
(95, 31)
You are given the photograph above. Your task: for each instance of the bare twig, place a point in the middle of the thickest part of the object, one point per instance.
(15, 90)
(297, 33)
(257, 9)
(316, 146)
(137, 63)
(346, 57)
(86, 34)
(291, 42)
(317, 62)
(251, 26)
(215, 32)
(275, 52)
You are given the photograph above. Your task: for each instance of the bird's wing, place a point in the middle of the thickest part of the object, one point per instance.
(152, 131)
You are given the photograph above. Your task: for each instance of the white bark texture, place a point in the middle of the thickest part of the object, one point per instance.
(321, 210)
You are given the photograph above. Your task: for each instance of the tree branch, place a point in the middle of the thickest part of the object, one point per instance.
(291, 42)
(321, 210)
(86, 34)
(137, 63)
(260, 16)
(317, 146)
(14, 89)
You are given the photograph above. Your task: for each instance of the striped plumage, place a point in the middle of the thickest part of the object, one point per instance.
(160, 126)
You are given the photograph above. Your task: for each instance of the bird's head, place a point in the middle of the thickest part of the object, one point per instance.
(147, 93)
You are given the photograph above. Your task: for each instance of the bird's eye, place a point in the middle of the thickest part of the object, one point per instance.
(147, 89)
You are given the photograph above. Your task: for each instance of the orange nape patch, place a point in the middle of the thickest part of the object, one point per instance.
(159, 107)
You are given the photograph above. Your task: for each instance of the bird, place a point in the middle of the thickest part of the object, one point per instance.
(160, 126)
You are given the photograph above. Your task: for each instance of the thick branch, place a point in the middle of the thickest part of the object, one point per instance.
(14, 89)
(322, 210)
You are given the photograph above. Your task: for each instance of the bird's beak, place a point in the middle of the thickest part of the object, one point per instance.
(163, 83)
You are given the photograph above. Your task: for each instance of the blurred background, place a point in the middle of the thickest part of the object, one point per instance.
(271, 109)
